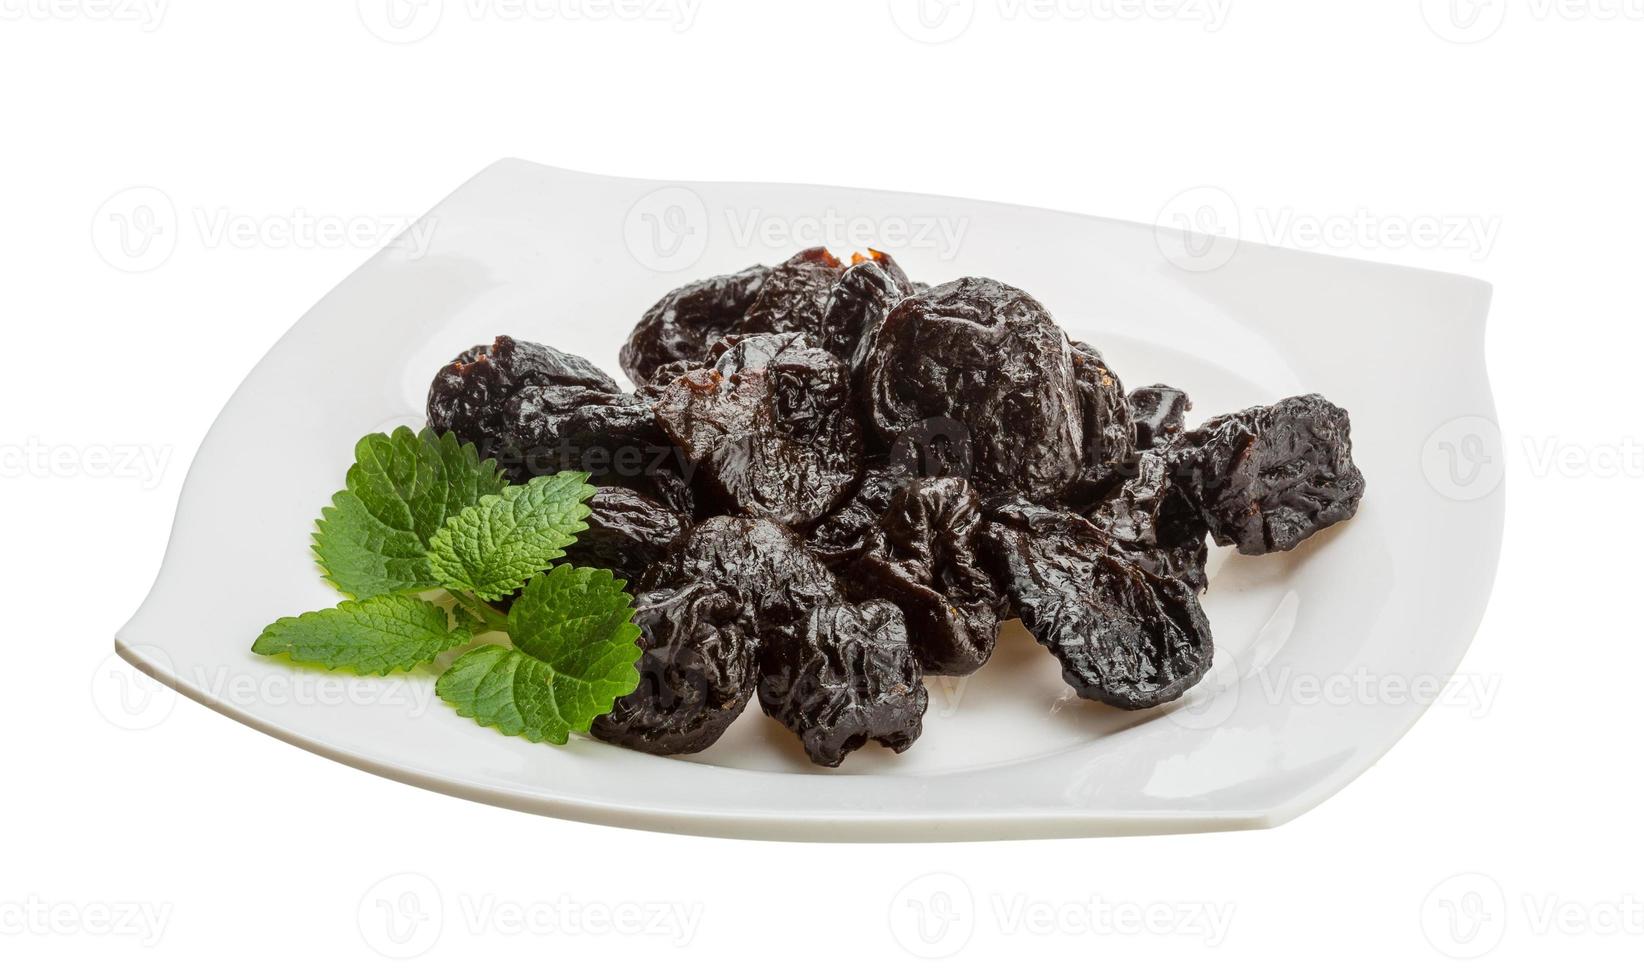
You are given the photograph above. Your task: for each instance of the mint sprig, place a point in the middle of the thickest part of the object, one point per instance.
(422, 513)
(495, 546)
(574, 659)
(402, 489)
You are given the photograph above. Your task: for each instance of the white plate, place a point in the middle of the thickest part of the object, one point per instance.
(1313, 648)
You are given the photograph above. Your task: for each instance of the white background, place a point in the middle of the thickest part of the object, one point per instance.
(174, 842)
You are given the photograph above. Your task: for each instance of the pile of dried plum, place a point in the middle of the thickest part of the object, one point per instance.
(832, 481)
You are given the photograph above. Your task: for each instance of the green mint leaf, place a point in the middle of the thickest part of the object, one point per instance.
(402, 488)
(495, 546)
(368, 636)
(577, 650)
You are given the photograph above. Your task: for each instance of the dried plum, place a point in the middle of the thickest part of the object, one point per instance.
(628, 532)
(934, 447)
(844, 534)
(610, 436)
(859, 302)
(1268, 477)
(922, 557)
(1155, 524)
(794, 295)
(468, 395)
(1159, 413)
(850, 677)
(537, 411)
(696, 674)
(682, 324)
(1109, 435)
(769, 427)
(1125, 636)
(763, 564)
(987, 356)
(740, 353)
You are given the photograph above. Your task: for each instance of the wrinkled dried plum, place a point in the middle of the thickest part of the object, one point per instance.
(610, 436)
(1159, 412)
(1268, 477)
(696, 674)
(468, 396)
(682, 324)
(537, 411)
(740, 353)
(1109, 435)
(923, 558)
(794, 296)
(1125, 636)
(760, 562)
(846, 533)
(850, 677)
(663, 374)
(987, 356)
(768, 427)
(628, 532)
(859, 302)
(1155, 524)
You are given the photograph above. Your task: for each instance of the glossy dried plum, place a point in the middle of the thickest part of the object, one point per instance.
(1109, 434)
(612, 437)
(663, 374)
(774, 440)
(696, 674)
(794, 295)
(683, 324)
(1124, 636)
(740, 353)
(1155, 524)
(627, 533)
(1159, 413)
(922, 557)
(844, 534)
(537, 411)
(763, 564)
(859, 302)
(468, 396)
(987, 356)
(849, 678)
(1268, 477)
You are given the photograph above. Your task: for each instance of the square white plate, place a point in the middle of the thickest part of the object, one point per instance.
(1313, 648)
